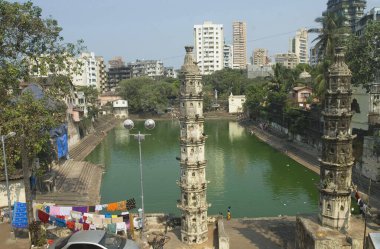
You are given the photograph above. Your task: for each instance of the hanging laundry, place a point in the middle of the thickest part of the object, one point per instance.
(111, 207)
(121, 226)
(98, 208)
(65, 211)
(55, 210)
(121, 205)
(78, 226)
(44, 217)
(86, 226)
(131, 204)
(82, 209)
(108, 215)
(70, 225)
(60, 222)
(117, 219)
(111, 228)
(62, 217)
(91, 209)
(76, 215)
(107, 221)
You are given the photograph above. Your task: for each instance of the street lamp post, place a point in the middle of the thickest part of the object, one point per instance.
(149, 125)
(3, 138)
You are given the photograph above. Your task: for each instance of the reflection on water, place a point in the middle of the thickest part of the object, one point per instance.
(244, 173)
(235, 130)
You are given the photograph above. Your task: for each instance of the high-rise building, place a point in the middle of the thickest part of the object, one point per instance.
(299, 46)
(147, 68)
(372, 15)
(193, 185)
(260, 57)
(337, 160)
(101, 73)
(239, 36)
(88, 75)
(228, 56)
(209, 45)
(351, 10)
(289, 60)
(313, 59)
(117, 72)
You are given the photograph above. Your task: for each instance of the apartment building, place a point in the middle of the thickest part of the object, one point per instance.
(147, 68)
(117, 72)
(209, 46)
(239, 36)
(289, 60)
(102, 74)
(88, 76)
(351, 10)
(372, 15)
(299, 46)
(228, 56)
(260, 57)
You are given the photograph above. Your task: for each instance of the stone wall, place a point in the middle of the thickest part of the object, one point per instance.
(17, 192)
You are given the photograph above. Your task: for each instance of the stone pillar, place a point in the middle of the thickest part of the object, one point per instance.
(192, 181)
(337, 161)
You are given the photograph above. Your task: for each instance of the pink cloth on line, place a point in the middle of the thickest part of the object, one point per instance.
(54, 210)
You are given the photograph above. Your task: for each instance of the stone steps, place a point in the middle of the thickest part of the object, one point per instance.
(65, 199)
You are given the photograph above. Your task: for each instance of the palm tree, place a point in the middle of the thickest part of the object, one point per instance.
(332, 34)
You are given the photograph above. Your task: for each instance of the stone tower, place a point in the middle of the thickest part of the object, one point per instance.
(192, 181)
(337, 161)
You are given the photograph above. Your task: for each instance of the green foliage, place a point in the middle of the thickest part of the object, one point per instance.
(331, 35)
(363, 55)
(228, 81)
(34, 119)
(148, 95)
(297, 121)
(30, 44)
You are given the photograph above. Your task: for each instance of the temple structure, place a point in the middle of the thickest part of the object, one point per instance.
(192, 182)
(336, 161)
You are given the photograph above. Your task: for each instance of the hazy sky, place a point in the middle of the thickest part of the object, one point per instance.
(159, 29)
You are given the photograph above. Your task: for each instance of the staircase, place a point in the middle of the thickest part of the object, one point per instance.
(77, 183)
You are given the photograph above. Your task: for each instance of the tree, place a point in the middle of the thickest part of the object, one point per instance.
(31, 45)
(363, 55)
(148, 95)
(331, 35)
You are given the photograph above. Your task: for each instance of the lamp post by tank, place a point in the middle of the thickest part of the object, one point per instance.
(149, 125)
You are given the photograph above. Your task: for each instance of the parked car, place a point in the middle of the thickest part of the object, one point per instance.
(93, 239)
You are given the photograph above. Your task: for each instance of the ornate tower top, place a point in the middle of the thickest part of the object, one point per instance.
(189, 66)
(339, 67)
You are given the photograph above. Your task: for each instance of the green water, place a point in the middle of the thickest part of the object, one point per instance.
(244, 173)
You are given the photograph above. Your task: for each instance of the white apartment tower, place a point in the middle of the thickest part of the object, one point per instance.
(88, 75)
(209, 45)
(299, 46)
(228, 56)
(239, 36)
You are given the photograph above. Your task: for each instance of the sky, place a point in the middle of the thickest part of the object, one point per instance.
(159, 29)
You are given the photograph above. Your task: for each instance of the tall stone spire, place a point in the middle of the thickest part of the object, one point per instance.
(192, 180)
(337, 161)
